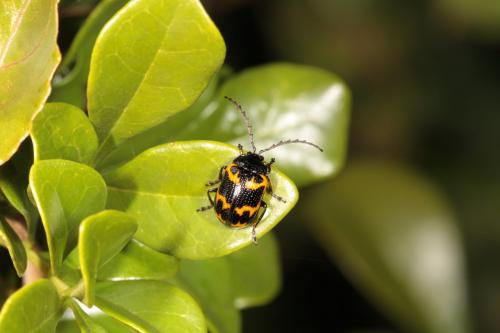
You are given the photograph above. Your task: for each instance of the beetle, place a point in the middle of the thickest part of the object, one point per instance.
(238, 198)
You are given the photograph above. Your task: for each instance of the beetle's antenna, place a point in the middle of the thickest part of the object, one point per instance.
(285, 142)
(247, 121)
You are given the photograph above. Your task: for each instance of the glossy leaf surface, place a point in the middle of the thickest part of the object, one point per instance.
(139, 262)
(85, 322)
(101, 237)
(150, 306)
(33, 308)
(154, 56)
(393, 233)
(28, 58)
(65, 192)
(11, 241)
(63, 131)
(163, 187)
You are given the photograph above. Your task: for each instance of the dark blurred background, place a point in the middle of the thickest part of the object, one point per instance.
(425, 80)
(425, 83)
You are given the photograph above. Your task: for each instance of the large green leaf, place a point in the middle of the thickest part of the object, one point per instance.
(210, 283)
(63, 131)
(283, 101)
(152, 60)
(101, 237)
(11, 241)
(65, 192)
(395, 236)
(35, 308)
(164, 186)
(14, 185)
(71, 77)
(28, 58)
(139, 262)
(150, 306)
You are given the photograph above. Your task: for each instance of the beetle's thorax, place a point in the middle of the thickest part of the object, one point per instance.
(252, 163)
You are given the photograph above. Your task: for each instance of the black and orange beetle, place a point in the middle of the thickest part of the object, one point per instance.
(242, 184)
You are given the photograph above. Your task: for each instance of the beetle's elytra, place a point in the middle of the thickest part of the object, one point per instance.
(241, 185)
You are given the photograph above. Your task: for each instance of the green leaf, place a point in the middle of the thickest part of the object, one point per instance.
(63, 131)
(71, 77)
(28, 59)
(394, 234)
(210, 283)
(85, 322)
(256, 273)
(155, 56)
(93, 321)
(65, 192)
(150, 306)
(33, 308)
(14, 184)
(11, 241)
(164, 186)
(139, 262)
(102, 236)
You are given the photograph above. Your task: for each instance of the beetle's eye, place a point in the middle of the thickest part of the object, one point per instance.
(261, 157)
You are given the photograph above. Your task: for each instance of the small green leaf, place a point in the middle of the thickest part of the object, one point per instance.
(63, 131)
(85, 322)
(155, 56)
(150, 306)
(164, 186)
(101, 237)
(11, 241)
(14, 185)
(33, 308)
(255, 273)
(139, 262)
(210, 283)
(28, 59)
(71, 77)
(65, 192)
(393, 233)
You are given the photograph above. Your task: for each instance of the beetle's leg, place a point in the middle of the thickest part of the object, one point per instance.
(201, 209)
(254, 236)
(214, 182)
(240, 148)
(268, 165)
(270, 191)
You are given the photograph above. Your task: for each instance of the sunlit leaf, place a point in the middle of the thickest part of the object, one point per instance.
(28, 58)
(33, 308)
(150, 306)
(65, 192)
(63, 131)
(152, 60)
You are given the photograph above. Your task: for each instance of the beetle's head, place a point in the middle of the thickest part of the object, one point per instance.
(251, 162)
